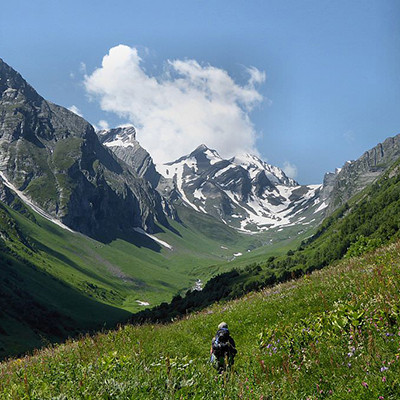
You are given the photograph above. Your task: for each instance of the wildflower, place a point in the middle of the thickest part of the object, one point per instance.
(365, 384)
(384, 369)
(381, 398)
(383, 378)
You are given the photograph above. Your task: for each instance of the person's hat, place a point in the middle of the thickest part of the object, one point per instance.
(223, 325)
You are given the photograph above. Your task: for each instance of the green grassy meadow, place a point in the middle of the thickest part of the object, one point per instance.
(55, 283)
(332, 334)
(136, 267)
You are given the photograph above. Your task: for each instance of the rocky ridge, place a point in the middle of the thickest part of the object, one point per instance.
(354, 176)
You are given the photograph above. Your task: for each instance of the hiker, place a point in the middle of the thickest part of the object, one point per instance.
(223, 349)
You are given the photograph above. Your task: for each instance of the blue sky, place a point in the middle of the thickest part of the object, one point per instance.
(330, 89)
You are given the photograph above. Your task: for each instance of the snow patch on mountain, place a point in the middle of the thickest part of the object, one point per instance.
(213, 156)
(321, 207)
(156, 239)
(254, 165)
(29, 203)
(121, 137)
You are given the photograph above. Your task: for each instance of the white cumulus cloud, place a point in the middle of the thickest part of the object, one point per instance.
(290, 169)
(187, 105)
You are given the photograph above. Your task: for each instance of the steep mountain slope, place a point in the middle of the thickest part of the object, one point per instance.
(43, 294)
(55, 158)
(354, 176)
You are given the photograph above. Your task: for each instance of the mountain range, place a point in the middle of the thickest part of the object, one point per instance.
(243, 192)
(105, 185)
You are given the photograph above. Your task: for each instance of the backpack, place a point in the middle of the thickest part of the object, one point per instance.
(221, 345)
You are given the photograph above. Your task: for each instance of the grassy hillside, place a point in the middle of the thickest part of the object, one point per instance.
(333, 334)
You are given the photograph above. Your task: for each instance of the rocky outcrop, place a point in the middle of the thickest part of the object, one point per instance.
(354, 176)
(122, 141)
(55, 158)
(6, 195)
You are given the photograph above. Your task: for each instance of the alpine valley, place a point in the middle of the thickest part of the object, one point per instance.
(91, 230)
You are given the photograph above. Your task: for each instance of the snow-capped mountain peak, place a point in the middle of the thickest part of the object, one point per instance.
(244, 192)
(254, 165)
(210, 154)
(202, 157)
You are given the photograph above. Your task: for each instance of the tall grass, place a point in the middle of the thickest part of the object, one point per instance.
(334, 334)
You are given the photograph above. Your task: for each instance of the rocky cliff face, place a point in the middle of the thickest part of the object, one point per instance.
(122, 141)
(55, 158)
(354, 176)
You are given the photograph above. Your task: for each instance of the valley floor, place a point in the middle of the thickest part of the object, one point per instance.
(334, 334)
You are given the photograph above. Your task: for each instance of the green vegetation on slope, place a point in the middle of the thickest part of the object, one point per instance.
(37, 306)
(333, 334)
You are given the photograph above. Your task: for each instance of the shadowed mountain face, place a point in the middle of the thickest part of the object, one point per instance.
(123, 143)
(54, 157)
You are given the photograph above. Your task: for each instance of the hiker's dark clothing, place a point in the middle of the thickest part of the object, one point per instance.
(223, 349)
